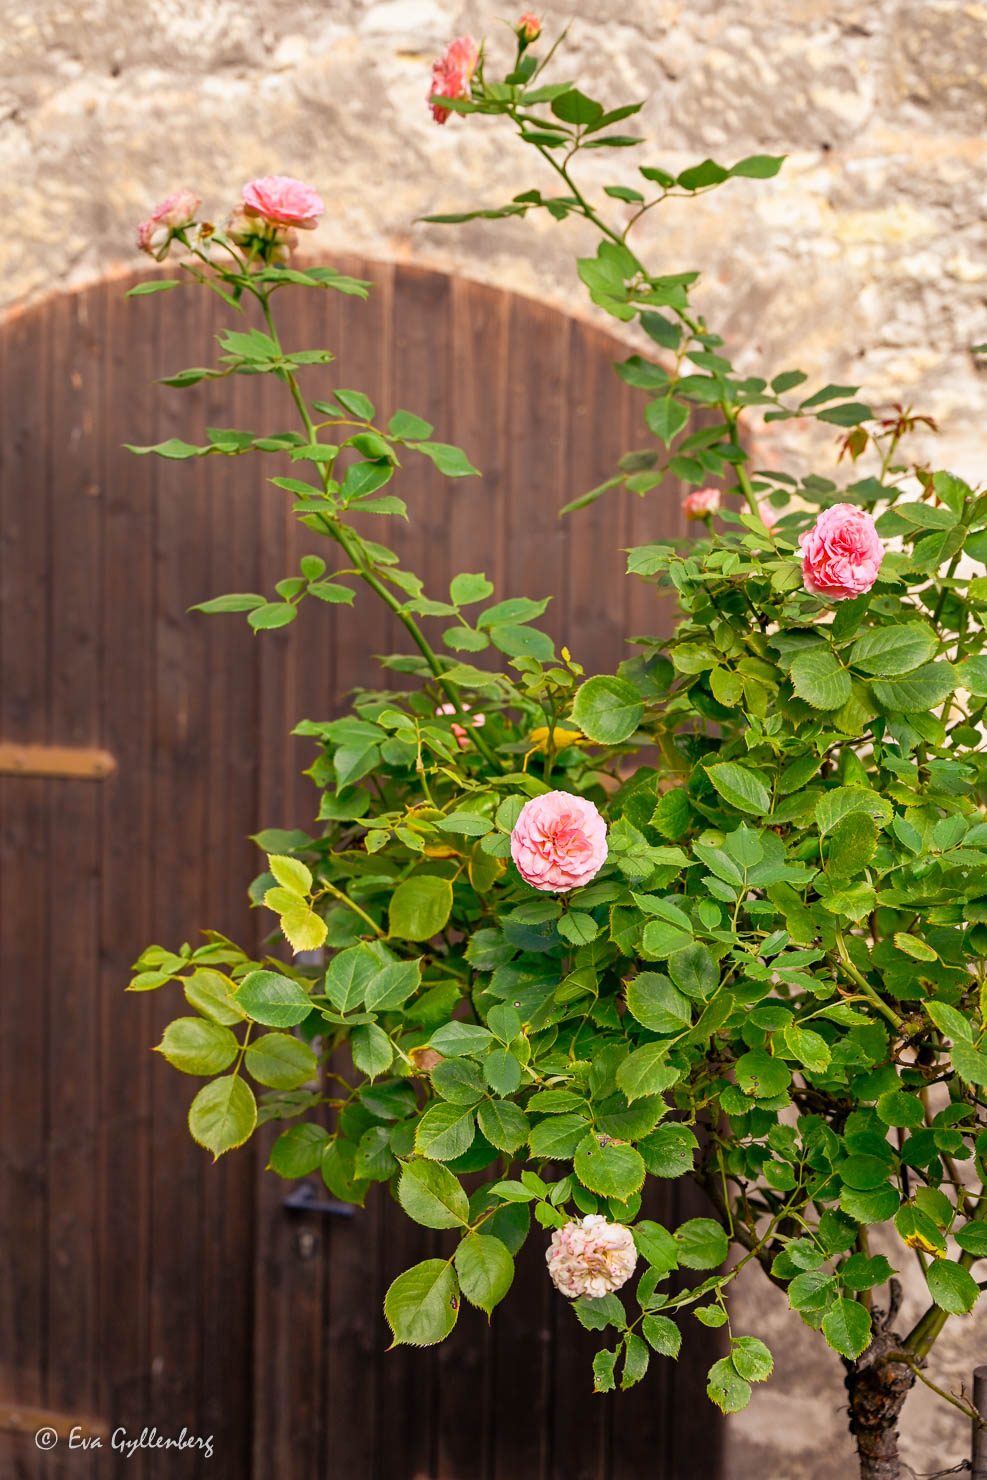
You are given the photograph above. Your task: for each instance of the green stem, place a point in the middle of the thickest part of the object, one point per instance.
(338, 894)
(864, 984)
(338, 531)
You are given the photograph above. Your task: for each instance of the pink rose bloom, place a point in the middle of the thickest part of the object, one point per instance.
(154, 235)
(767, 515)
(477, 721)
(283, 201)
(559, 842)
(451, 75)
(841, 554)
(701, 504)
(591, 1257)
(528, 28)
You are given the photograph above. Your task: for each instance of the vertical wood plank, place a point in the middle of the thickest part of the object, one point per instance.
(538, 430)
(24, 865)
(178, 884)
(125, 1022)
(75, 391)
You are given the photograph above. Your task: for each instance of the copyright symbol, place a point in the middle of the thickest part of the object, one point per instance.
(46, 1438)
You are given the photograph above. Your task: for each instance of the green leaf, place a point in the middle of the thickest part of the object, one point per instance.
(666, 417)
(846, 1327)
(636, 1360)
(445, 1131)
(485, 1269)
(578, 928)
(280, 1061)
(759, 166)
(669, 1151)
(274, 1000)
(406, 426)
(603, 1367)
(392, 986)
(809, 1047)
(223, 1114)
(422, 1304)
(646, 1071)
(420, 907)
(886, 651)
(849, 414)
(432, 1196)
(916, 692)
(614, 1170)
(197, 1047)
(694, 971)
(702, 1244)
(451, 462)
(607, 709)
(465, 589)
(348, 976)
(503, 1074)
(852, 844)
(834, 805)
(272, 614)
(752, 1359)
(656, 1004)
(818, 678)
(662, 1335)
(455, 1038)
(972, 673)
(761, 1075)
(210, 993)
(557, 1137)
(156, 285)
(174, 447)
(741, 788)
(970, 1064)
(952, 1287)
(574, 106)
(726, 1388)
(504, 1124)
(371, 1048)
(913, 946)
(972, 1238)
(700, 176)
(236, 601)
(290, 873)
(298, 1150)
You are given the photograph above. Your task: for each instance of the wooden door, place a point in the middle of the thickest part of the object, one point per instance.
(141, 1287)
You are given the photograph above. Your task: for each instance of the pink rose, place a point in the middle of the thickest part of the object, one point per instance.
(283, 201)
(528, 28)
(451, 75)
(701, 504)
(154, 235)
(591, 1257)
(559, 842)
(841, 554)
(477, 722)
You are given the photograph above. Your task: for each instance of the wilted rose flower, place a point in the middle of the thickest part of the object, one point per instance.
(841, 554)
(528, 28)
(477, 721)
(451, 75)
(283, 201)
(591, 1257)
(559, 842)
(701, 504)
(154, 235)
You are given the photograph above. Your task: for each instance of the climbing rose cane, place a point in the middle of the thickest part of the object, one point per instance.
(154, 235)
(451, 75)
(559, 842)
(701, 504)
(591, 1257)
(841, 554)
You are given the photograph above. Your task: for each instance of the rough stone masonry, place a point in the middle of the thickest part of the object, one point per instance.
(864, 262)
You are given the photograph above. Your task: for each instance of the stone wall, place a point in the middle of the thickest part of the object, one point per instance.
(864, 262)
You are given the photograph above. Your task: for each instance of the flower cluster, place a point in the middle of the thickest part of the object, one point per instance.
(265, 221)
(591, 1257)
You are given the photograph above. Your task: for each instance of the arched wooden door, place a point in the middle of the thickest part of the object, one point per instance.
(140, 1286)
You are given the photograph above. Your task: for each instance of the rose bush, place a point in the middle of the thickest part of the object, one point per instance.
(722, 913)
